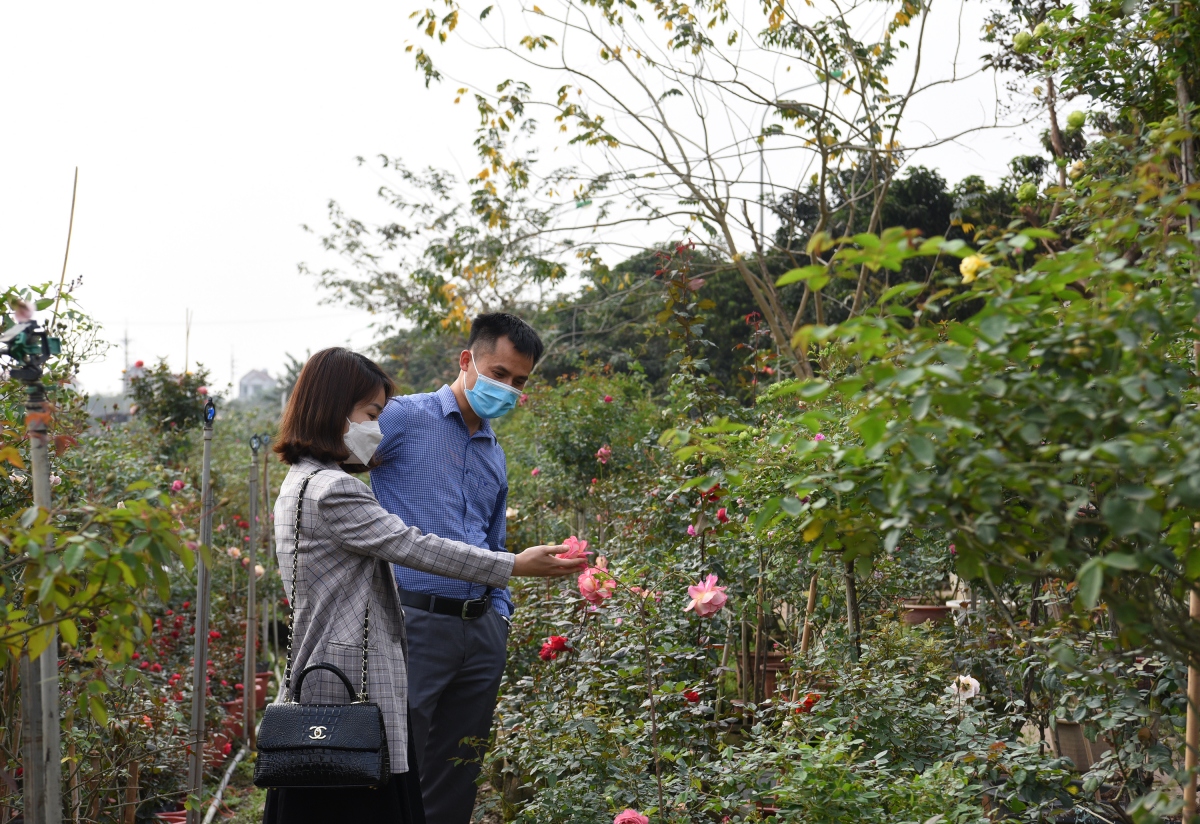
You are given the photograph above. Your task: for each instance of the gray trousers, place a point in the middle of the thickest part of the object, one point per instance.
(454, 670)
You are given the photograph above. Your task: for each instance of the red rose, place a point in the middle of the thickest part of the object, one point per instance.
(691, 696)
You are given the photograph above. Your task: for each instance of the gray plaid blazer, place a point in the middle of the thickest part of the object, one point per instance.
(348, 543)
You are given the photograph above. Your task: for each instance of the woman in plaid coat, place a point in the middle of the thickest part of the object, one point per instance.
(347, 544)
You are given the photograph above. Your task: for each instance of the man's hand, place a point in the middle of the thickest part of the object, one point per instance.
(539, 562)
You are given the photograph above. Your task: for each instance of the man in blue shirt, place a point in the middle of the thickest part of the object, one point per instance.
(441, 469)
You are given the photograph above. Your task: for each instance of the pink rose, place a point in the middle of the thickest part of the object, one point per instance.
(630, 817)
(818, 437)
(707, 597)
(535, 472)
(203, 390)
(692, 530)
(575, 549)
(604, 453)
(608, 399)
(176, 486)
(524, 399)
(595, 584)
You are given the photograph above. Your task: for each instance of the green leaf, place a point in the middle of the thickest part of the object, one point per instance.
(922, 449)
(901, 289)
(99, 713)
(1090, 580)
(872, 428)
(920, 407)
(791, 506)
(72, 555)
(803, 273)
(1121, 560)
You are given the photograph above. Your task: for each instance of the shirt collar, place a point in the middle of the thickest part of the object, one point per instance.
(449, 403)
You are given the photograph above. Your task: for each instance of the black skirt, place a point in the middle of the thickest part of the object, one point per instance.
(397, 803)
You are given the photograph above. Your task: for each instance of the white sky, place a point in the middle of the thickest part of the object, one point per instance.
(207, 134)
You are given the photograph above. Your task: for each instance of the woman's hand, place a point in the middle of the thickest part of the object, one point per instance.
(539, 562)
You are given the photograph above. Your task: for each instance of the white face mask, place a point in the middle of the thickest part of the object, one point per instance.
(362, 439)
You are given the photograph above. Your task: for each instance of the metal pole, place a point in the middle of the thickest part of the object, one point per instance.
(249, 658)
(269, 526)
(200, 646)
(39, 676)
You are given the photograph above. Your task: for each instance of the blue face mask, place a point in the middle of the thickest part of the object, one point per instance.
(489, 397)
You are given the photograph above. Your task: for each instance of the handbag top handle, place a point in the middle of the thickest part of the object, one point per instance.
(363, 697)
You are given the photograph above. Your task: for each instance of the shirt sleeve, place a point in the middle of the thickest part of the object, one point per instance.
(393, 422)
(360, 525)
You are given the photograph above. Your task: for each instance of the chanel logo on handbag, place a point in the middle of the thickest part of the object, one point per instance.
(316, 733)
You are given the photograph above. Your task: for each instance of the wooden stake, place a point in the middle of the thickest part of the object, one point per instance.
(806, 637)
(131, 794)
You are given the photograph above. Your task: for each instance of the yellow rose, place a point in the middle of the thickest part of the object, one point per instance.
(971, 267)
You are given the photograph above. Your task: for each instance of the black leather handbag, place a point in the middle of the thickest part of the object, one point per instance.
(321, 745)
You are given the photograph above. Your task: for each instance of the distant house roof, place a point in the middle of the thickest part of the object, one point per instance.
(254, 383)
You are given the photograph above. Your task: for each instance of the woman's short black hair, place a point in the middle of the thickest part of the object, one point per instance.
(331, 384)
(489, 328)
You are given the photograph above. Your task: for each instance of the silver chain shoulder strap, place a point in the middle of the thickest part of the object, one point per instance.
(287, 672)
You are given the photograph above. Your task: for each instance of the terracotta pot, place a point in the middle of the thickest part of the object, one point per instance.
(231, 724)
(214, 751)
(262, 688)
(913, 614)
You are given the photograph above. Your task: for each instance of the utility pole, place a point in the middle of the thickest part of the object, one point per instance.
(200, 645)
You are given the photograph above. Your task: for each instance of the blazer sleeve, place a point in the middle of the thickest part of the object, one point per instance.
(360, 525)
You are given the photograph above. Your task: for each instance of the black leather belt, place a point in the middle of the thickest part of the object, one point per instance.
(467, 610)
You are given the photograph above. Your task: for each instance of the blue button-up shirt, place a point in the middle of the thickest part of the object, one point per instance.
(445, 481)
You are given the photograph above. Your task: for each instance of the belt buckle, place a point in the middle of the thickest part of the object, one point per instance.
(466, 607)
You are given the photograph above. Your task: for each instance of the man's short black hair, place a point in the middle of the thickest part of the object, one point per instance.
(488, 328)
